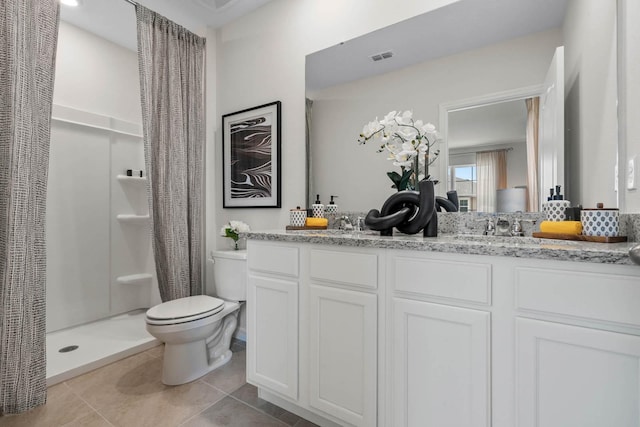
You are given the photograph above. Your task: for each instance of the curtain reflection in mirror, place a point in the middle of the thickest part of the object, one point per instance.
(492, 176)
(533, 110)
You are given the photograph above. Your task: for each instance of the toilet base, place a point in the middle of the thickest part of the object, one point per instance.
(186, 362)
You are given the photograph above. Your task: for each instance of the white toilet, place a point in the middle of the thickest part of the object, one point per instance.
(197, 330)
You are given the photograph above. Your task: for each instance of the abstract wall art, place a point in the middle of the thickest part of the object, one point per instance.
(251, 157)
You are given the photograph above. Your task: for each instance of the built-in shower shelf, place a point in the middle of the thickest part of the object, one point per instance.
(125, 178)
(134, 279)
(134, 219)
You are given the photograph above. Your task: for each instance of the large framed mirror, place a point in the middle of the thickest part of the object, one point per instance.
(467, 50)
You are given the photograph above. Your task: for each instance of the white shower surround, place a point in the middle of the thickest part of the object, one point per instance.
(96, 136)
(89, 249)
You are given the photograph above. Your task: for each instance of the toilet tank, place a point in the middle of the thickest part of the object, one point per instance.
(230, 274)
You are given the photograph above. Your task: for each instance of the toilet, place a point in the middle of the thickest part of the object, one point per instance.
(197, 330)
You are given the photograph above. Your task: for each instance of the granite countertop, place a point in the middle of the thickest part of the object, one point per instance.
(519, 247)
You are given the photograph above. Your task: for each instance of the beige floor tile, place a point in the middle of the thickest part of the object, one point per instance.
(249, 394)
(231, 376)
(130, 393)
(63, 407)
(157, 351)
(92, 420)
(230, 412)
(167, 408)
(120, 382)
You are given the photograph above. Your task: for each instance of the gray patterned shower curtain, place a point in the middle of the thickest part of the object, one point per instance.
(28, 39)
(171, 84)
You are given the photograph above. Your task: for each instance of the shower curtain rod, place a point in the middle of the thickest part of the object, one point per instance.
(131, 2)
(485, 151)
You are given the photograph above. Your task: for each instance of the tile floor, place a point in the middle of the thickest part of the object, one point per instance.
(129, 393)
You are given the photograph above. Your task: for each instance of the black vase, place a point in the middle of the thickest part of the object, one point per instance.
(409, 211)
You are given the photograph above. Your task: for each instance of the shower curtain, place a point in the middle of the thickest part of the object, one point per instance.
(28, 39)
(171, 84)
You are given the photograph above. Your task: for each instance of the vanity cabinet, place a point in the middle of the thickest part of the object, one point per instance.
(440, 365)
(575, 376)
(578, 349)
(342, 354)
(343, 332)
(440, 369)
(272, 318)
(361, 336)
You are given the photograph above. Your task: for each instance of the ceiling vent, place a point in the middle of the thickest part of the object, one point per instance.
(380, 56)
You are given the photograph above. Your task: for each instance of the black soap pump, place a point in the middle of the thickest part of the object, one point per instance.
(558, 196)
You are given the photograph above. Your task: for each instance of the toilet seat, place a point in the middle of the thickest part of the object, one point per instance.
(183, 310)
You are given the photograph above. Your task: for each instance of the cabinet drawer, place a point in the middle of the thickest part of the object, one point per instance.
(586, 295)
(464, 281)
(271, 258)
(349, 268)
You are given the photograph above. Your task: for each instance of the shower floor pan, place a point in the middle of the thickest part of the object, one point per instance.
(99, 343)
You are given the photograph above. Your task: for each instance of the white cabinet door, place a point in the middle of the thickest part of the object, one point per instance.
(440, 368)
(343, 354)
(272, 334)
(569, 376)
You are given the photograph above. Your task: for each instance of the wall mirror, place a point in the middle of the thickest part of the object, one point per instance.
(436, 64)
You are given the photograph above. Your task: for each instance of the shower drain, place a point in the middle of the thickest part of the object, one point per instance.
(68, 348)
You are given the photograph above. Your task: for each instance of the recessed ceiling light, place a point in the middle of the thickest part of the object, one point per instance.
(73, 3)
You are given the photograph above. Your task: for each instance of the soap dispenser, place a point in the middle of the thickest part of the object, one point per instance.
(317, 208)
(331, 208)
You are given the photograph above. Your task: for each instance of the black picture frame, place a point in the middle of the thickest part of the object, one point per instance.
(251, 142)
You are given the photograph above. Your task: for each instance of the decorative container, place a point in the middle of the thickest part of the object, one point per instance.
(600, 222)
(297, 217)
(554, 210)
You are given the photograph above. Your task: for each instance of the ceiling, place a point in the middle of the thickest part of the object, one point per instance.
(114, 20)
(493, 124)
(455, 28)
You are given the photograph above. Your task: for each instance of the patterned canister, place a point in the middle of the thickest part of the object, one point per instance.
(331, 209)
(600, 222)
(554, 210)
(297, 217)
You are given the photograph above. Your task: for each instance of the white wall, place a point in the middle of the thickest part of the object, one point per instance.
(591, 94)
(358, 173)
(631, 42)
(261, 58)
(95, 75)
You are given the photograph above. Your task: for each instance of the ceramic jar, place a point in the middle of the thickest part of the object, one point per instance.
(600, 222)
(297, 217)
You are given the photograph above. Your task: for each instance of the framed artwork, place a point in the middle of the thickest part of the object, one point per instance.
(251, 157)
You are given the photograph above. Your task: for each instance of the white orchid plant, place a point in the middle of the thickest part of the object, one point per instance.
(409, 144)
(233, 230)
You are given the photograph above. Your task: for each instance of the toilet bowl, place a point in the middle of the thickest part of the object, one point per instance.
(197, 330)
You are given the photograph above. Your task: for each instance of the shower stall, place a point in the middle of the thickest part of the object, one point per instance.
(100, 267)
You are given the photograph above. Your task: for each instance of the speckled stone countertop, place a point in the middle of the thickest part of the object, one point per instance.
(519, 247)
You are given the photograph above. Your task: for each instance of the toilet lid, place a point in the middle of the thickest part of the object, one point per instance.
(189, 307)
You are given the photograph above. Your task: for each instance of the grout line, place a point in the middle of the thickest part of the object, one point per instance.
(258, 409)
(88, 404)
(224, 394)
